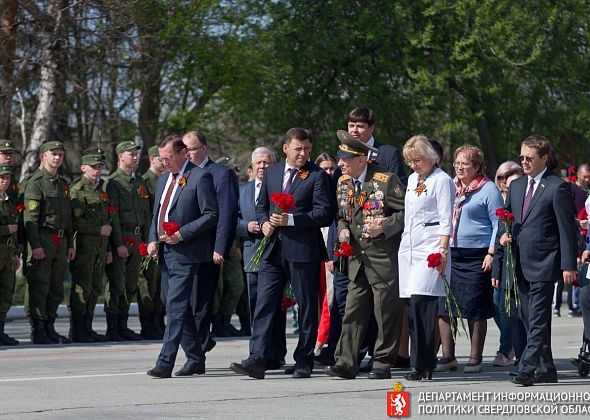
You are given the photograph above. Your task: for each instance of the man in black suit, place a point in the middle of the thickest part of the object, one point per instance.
(294, 253)
(222, 237)
(184, 195)
(544, 246)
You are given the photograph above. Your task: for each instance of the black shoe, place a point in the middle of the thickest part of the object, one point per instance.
(38, 334)
(523, 380)
(7, 340)
(402, 363)
(366, 367)
(325, 360)
(340, 371)
(248, 367)
(160, 372)
(274, 364)
(418, 374)
(191, 368)
(378, 373)
(52, 334)
(302, 372)
(545, 378)
(290, 370)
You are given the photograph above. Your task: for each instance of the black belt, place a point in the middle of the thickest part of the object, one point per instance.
(431, 224)
(60, 232)
(136, 230)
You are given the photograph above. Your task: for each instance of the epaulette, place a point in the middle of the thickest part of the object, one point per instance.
(380, 176)
(35, 176)
(343, 179)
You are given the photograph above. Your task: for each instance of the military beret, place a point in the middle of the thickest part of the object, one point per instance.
(93, 160)
(125, 146)
(6, 146)
(51, 145)
(5, 169)
(153, 151)
(351, 147)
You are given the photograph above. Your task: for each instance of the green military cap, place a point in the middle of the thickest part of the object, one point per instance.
(227, 161)
(93, 160)
(52, 145)
(5, 169)
(6, 146)
(93, 151)
(351, 147)
(125, 146)
(153, 151)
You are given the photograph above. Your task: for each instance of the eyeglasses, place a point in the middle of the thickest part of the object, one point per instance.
(411, 162)
(166, 160)
(462, 165)
(528, 159)
(194, 149)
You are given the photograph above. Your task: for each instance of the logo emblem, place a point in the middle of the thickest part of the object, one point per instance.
(398, 402)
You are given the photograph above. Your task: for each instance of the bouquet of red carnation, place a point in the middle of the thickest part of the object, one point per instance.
(19, 208)
(170, 228)
(288, 299)
(283, 203)
(342, 252)
(434, 261)
(511, 282)
(146, 258)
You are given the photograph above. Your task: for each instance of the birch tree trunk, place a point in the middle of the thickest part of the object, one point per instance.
(7, 52)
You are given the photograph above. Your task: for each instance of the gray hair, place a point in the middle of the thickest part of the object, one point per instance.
(265, 150)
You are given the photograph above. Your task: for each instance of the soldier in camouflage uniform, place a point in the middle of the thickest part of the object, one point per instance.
(151, 309)
(48, 224)
(10, 248)
(131, 222)
(92, 226)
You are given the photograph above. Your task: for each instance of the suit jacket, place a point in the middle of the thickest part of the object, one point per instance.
(390, 158)
(302, 242)
(544, 243)
(379, 255)
(247, 214)
(194, 208)
(226, 189)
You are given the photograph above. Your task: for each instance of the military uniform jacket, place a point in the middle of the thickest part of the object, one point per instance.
(47, 202)
(151, 179)
(90, 206)
(9, 215)
(382, 195)
(129, 198)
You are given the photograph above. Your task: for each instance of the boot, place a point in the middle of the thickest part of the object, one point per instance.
(38, 334)
(78, 333)
(98, 338)
(5, 339)
(113, 328)
(125, 332)
(245, 327)
(219, 327)
(147, 327)
(52, 334)
(156, 323)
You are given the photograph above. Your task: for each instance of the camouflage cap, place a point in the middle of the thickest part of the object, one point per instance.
(6, 146)
(351, 147)
(93, 160)
(125, 146)
(52, 145)
(153, 151)
(5, 169)
(227, 161)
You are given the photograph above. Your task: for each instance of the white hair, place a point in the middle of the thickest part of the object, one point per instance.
(265, 150)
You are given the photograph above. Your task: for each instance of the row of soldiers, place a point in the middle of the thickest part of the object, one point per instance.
(91, 224)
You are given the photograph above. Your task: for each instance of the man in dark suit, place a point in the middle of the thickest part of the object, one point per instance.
(294, 253)
(544, 246)
(184, 195)
(222, 237)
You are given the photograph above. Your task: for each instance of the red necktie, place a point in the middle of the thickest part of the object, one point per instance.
(165, 203)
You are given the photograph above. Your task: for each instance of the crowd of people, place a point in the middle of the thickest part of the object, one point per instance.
(377, 262)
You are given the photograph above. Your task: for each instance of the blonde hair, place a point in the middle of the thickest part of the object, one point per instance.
(419, 146)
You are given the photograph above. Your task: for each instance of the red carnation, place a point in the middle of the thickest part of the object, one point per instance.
(508, 216)
(56, 239)
(287, 303)
(283, 201)
(572, 178)
(19, 208)
(583, 215)
(170, 228)
(346, 249)
(143, 251)
(500, 212)
(112, 209)
(129, 241)
(571, 169)
(434, 260)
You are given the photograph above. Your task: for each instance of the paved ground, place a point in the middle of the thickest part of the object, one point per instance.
(109, 381)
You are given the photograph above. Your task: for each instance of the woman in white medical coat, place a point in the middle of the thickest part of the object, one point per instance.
(428, 227)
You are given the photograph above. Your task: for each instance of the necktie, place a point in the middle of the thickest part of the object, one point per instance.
(256, 192)
(527, 199)
(292, 173)
(357, 187)
(165, 203)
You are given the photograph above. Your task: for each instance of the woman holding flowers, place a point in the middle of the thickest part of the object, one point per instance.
(429, 209)
(475, 224)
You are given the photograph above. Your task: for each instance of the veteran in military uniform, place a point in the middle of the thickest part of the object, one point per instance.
(371, 219)
(130, 219)
(48, 224)
(9, 251)
(151, 308)
(90, 207)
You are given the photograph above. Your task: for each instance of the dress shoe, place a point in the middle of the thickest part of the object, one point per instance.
(248, 367)
(402, 363)
(447, 364)
(545, 378)
(523, 380)
(160, 372)
(418, 374)
(302, 372)
(290, 370)
(378, 373)
(274, 364)
(473, 366)
(339, 371)
(190, 369)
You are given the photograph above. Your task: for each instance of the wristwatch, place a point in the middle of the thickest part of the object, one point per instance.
(443, 251)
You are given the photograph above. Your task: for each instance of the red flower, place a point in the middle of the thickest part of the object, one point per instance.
(344, 250)
(434, 260)
(112, 209)
(572, 178)
(170, 228)
(143, 251)
(583, 215)
(19, 208)
(129, 241)
(500, 212)
(571, 169)
(508, 216)
(287, 303)
(56, 239)
(283, 201)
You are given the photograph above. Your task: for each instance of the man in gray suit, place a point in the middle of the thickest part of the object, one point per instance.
(184, 195)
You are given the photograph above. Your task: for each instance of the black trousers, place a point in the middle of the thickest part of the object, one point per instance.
(422, 313)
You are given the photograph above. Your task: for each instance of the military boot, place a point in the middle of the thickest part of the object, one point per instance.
(78, 333)
(147, 327)
(99, 338)
(113, 329)
(5, 339)
(125, 332)
(52, 334)
(38, 334)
